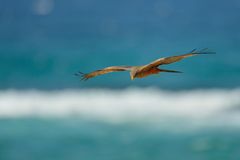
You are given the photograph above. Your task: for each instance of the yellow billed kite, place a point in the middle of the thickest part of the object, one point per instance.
(145, 70)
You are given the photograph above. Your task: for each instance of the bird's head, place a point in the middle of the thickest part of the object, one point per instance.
(133, 73)
(132, 77)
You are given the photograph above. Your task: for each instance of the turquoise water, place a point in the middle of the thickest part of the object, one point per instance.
(128, 124)
(77, 138)
(47, 113)
(43, 43)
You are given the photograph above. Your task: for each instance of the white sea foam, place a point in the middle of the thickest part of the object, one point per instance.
(129, 104)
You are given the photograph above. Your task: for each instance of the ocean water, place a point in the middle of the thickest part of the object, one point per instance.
(129, 124)
(47, 113)
(44, 42)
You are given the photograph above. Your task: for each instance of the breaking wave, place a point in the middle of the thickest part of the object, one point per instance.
(124, 105)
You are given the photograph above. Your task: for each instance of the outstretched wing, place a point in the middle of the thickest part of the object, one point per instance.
(103, 71)
(168, 60)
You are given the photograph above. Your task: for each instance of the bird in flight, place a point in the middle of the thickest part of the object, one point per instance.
(145, 70)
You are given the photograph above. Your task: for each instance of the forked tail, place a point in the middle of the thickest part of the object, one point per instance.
(172, 71)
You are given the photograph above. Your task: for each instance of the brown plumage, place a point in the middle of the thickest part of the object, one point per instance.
(145, 70)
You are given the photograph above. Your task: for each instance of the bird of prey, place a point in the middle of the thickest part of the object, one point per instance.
(145, 70)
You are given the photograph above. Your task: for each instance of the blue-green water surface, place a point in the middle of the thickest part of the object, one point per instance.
(79, 138)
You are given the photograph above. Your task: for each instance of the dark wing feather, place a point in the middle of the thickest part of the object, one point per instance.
(168, 60)
(104, 71)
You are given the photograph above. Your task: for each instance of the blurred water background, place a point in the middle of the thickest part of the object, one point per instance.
(47, 113)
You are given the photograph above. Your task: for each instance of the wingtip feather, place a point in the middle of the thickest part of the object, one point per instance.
(203, 51)
(83, 76)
